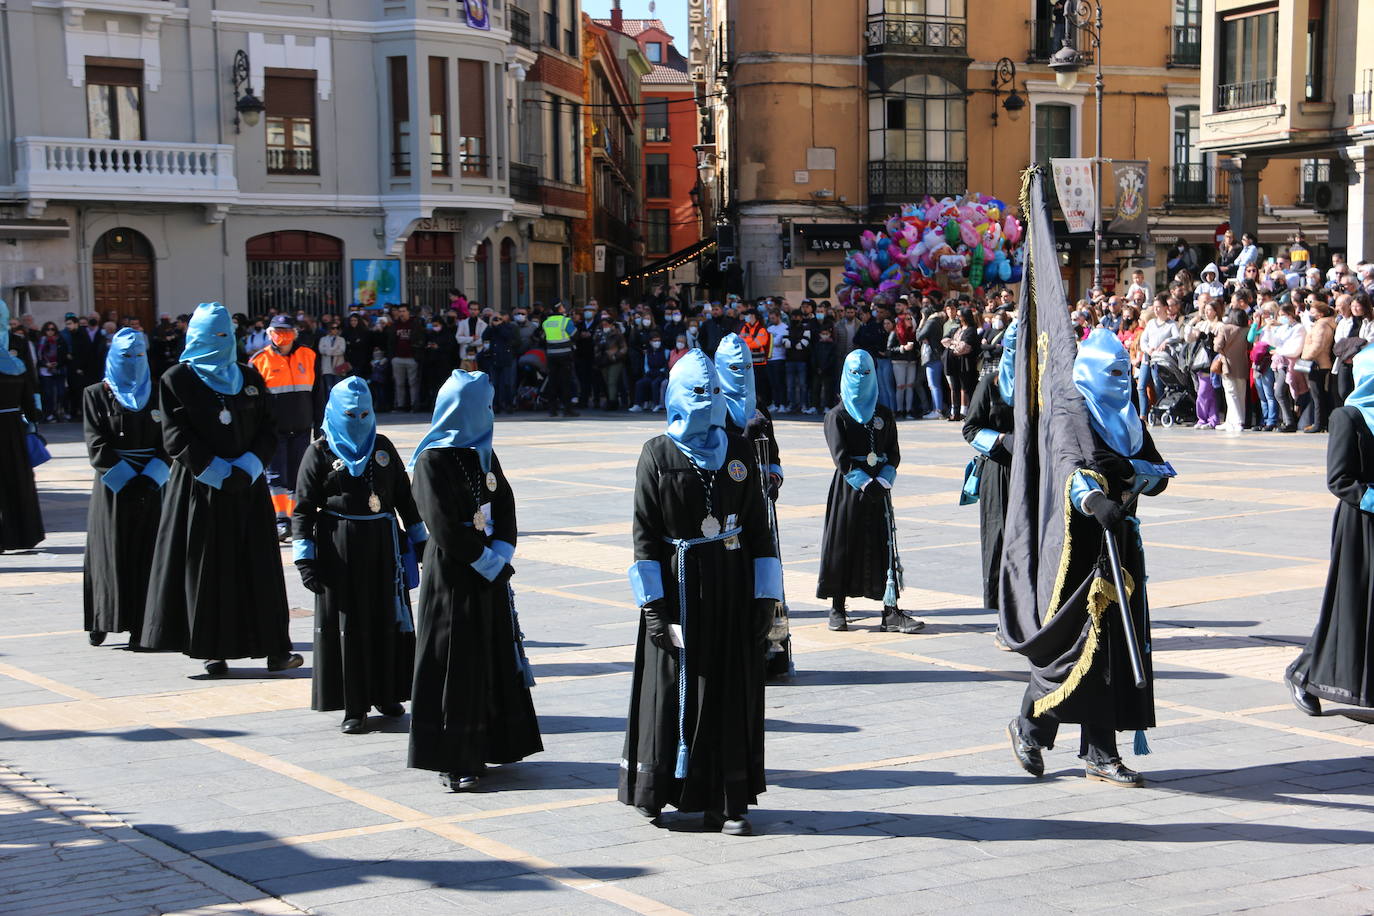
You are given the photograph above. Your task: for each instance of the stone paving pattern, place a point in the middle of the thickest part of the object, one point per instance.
(131, 781)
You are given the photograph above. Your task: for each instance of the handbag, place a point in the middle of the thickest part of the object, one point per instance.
(1305, 366)
(343, 368)
(1202, 358)
(38, 449)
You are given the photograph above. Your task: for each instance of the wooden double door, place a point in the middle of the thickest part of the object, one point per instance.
(125, 277)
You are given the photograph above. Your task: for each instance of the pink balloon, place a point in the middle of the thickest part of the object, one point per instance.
(1011, 230)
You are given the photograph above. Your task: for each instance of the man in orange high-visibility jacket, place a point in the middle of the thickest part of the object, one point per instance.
(756, 337)
(297, 402)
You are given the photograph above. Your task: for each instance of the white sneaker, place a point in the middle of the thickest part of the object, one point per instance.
(931, 415)
(810, 411)
(635, 408)
(658, 408)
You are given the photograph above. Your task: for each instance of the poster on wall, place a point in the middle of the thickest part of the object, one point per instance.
(1073, 182)
(377, 283)
(818, 282)
(1132, 177)
(479, 16)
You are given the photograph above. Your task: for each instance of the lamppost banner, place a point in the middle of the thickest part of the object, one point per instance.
(1132, 180)
(1073, 183)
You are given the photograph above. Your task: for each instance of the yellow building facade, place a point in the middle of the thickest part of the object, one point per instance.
(826, 119)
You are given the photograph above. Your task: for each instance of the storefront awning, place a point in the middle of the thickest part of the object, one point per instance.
(671, 262)
(13, 228)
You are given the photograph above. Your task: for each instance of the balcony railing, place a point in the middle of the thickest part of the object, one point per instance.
(474, 165)
(1047, 36)
(907, 31)
(67, 167)
(909, 181)
(1315, 173)
(1186, 47)
(519, 26)
(1196, 184)
(524, 183)
(1362, 101)
(1249, 94)
(291, 161)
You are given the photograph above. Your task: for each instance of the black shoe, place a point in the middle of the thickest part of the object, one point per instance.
(648, 812)
(728, 824)
(1030, 758)
(457, 782)
(1115, 773)
(1315, 429)
(1307, 704)
(354, 725)
(284, 662)
(897, 621)
(216, 667)
(1288, 428)
(283, 535)
(392, 710)
(838, 621)
(96, 637)
(571, 413)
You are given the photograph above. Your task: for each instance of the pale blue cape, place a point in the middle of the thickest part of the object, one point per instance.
(735, 368)
(1006, 368)
(696, 411)
(1102, 373)
(1362, 398)
(462, 417)
(859, 386)
(350, 426)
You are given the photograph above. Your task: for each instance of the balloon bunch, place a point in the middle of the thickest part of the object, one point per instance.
(953, 243)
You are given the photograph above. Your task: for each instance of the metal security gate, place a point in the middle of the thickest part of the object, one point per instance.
(430, 259)
(295, 271)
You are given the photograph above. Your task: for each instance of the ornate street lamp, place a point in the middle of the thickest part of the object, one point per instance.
(1085, 16)
(247, 106)
(1004, 74)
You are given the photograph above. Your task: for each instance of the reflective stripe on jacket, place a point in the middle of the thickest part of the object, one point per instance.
(290, 380)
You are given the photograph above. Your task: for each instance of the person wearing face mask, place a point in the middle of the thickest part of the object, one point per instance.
(297, 398)
(1081, 670)
(706, 579)
(470, 703)
(988, 428)
(672, 321)
(1286, 340)
(216, 590)
(589, 383)
(124, 445)
(858, 553)
(352, 554)
(524, 330)
(610, 359)
(557, 331)
(654, 371)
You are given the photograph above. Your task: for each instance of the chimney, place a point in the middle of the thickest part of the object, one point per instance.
(617, 17)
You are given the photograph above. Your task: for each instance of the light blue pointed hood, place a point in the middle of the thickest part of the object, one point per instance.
(1102, 373)
(735, 369)
(350, 425)
(462, 417)
(126, 369)
(1006, 368)
(859, 386)
(696, 411)
(211, 349)
(1362, 398)
(9, 363)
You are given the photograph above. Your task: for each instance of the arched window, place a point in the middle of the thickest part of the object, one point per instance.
(430, 259)
(917, 142)
(483, 285)
(294, 271)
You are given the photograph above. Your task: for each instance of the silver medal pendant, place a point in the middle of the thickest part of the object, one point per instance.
(491, 481)
(479, 520)
(225, 417)
(374, 502)
(710, 526)
(872, 459)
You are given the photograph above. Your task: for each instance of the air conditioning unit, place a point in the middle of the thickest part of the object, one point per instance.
(1329, 196)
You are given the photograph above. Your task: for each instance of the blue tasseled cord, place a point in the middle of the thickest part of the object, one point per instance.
(522, 663)
(403, 618)
(1141, 746)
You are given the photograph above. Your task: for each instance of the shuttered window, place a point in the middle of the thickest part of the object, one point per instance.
(438, 116)
(114, 98)
(398, 71)
(472, 118)
(290, 115)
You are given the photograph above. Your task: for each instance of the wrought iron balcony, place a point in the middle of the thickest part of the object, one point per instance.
(1186, 47)
(75, 168)
(907, 32)
(1248, 94)
(1047, 36)
(913, 180)
(519, 26)
(524, 183)
(1196, 184)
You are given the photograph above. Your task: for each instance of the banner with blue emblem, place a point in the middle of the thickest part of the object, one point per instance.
(479, 16)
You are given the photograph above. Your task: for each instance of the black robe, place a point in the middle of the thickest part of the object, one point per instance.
(760, 428)
(1337, 664)
(725, 690)
(217, 590)
(470, 705)
(21, 521)
(989, 411)
(854, 545)
(1080, 668)
(364, 655)
(121, 528)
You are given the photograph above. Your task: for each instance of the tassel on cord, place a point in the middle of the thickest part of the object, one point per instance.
(680, 771)
(1142, 747)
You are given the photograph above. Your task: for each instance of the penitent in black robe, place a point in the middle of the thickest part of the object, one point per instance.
(1080, 667)
(21, 521)
(364, 642)
(760, 429)
(469, 705)
(854, 545)
(725, 688)
(217, 590)
(989, 411)
(1337, 664)
(121, 528)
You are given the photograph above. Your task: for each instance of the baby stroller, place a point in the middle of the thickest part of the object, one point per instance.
(531, 377)
(1174, 384)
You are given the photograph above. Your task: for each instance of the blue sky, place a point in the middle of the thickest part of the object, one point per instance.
(672, 12)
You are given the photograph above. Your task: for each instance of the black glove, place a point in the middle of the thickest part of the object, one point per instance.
(656, 622)
(505, 574)
(309, 576)
(1004, 443)
(764, 611)
(1106, 510)
(774, 484)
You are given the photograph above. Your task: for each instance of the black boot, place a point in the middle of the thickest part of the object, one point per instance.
(1030, 758)
(899, 621)
(1306, 703)
(838, 621)
(1113, 772)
